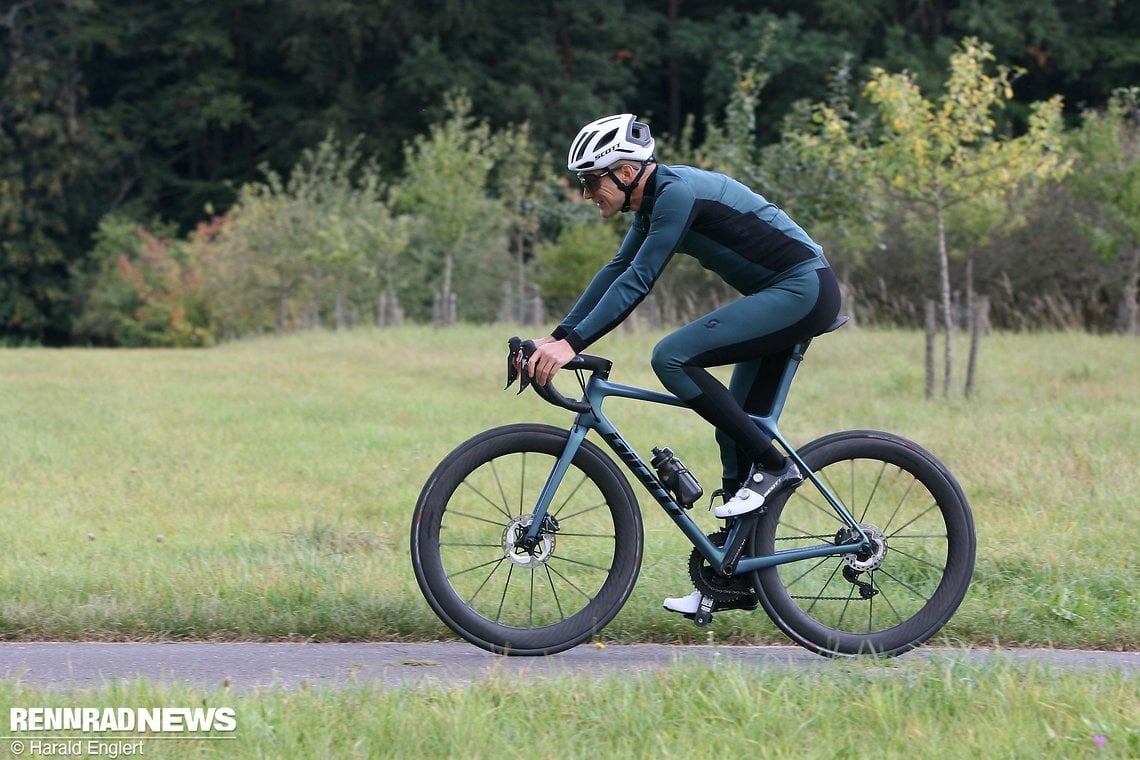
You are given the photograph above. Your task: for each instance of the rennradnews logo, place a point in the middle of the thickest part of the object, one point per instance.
(164, 720)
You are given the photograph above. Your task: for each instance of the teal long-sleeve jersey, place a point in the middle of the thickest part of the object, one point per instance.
(724, 225)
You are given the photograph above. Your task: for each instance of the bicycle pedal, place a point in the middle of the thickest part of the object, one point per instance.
(704, 614)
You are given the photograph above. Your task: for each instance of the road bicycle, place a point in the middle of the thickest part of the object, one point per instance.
(527, 538)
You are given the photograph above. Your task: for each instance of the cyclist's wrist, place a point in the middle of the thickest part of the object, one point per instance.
(575, 341)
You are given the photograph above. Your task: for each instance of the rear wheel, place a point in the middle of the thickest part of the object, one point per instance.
(475, 569)
(902, 589)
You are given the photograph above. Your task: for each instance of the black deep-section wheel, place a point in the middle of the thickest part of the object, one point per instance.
(899, 592)
(475, 570)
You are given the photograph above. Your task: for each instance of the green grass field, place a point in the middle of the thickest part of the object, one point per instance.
(902, 709)
(262, 489)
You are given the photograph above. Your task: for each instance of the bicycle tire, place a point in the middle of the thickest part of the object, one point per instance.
(494, 593)
(916, 510)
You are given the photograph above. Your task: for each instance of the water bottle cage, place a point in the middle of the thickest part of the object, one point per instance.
(676, 477)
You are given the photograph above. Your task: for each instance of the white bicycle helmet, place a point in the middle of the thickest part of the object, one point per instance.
(602, 143)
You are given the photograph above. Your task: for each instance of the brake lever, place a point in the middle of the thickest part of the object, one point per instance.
(514, 346)
(516, 351)
(524, 377)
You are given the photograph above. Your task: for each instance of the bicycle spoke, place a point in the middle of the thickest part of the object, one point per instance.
(503, 598)
(482, 496)
(887, 599)
(554, 592)
(470, 545)
(494, 569)
(928, 563)
(805, 573)
(457, 513)
(914, 519)
(580, 563)
(522, 486)
(825, 508)
(902, 500)
(874, 490)
(905, 585)
(846, 605)
(506, 502)
(824, 586)
(569, 582)
(581, 512)
(458, 573)
(530, 615)
(573, 491)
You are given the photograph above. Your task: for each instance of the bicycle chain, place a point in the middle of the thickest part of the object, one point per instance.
(712, 584)
(722, 590)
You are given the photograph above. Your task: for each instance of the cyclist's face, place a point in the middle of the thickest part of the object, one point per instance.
(600, 188)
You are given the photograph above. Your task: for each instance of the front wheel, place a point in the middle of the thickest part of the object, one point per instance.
(474, 568)
(902, 589)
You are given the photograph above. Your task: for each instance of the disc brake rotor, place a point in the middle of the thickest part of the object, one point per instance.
(516, 553)
(872, 557)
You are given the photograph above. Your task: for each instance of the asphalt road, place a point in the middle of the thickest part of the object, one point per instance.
(247, 666)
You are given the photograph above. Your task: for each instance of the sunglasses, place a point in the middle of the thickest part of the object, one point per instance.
(593, 181)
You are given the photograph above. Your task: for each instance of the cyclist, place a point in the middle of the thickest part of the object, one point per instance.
(787, 293)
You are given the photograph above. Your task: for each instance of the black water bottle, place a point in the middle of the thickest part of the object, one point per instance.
(676, 477)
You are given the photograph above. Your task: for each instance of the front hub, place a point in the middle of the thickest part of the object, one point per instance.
(515, 548)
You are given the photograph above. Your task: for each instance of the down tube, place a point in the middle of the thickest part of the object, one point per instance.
(645, 476)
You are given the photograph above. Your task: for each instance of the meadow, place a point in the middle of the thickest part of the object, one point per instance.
(262, 489)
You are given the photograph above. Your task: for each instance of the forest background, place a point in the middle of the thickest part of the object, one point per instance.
(178, 173)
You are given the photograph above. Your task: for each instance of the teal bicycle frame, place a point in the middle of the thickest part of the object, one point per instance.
(598, 388)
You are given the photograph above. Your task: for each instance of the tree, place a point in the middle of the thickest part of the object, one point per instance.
(145, 292)
(821, 171)
(943, 156)
(290, 253)
(459, 246)
(50, 159)
(525, 185)
(1108, 174)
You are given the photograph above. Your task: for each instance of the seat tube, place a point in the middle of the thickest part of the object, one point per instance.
(785, 384)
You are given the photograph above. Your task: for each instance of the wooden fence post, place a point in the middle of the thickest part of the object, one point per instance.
(979, 318)
(931, 335)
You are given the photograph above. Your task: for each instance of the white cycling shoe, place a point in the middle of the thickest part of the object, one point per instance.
(686, 605)
(759, 487)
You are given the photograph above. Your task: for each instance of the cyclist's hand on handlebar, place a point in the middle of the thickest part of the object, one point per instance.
(549, 356)
(537, 342)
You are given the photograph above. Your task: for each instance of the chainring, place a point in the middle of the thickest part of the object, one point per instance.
(711, 583)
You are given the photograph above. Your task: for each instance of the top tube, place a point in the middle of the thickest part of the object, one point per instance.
(600, 367)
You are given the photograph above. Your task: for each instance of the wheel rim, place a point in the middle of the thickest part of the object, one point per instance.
(494, 573)
(886, 585)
